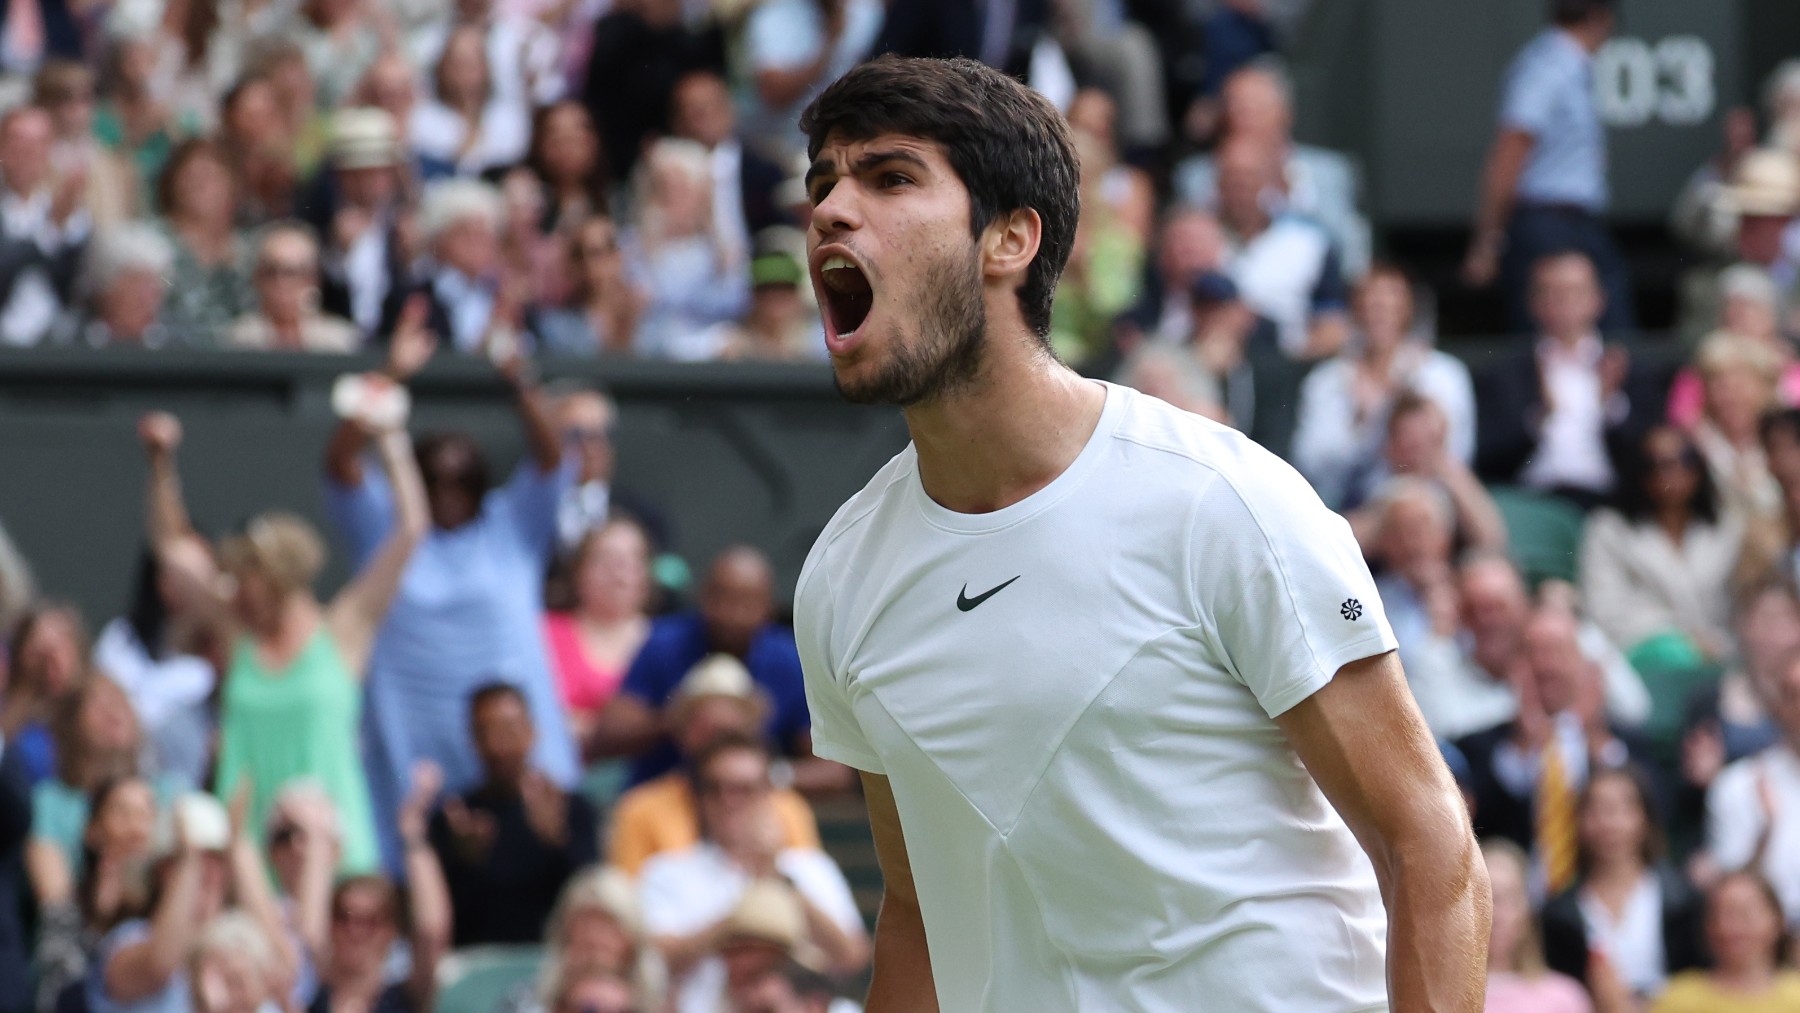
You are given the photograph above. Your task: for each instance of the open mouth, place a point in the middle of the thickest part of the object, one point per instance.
(848, 294)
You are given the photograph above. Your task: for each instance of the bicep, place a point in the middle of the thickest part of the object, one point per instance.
(1364, 742)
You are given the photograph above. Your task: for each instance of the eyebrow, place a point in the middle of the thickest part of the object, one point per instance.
(826, 166)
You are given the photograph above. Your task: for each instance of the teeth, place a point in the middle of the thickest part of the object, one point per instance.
(835, 262)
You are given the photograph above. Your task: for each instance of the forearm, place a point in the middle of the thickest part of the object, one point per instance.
(411, 514)
(902, 982)
(624, 727)
(847, 951)
(1499, 185)
(681, 953)
(1481, 520)
(258, 900)
(540, 429)
(343, 455)
(166, 516)
(429, 897)
(1438, 920)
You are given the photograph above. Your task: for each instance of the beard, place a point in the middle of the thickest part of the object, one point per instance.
(943, 354)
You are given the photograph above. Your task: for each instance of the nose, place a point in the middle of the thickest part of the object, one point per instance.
(840, 211)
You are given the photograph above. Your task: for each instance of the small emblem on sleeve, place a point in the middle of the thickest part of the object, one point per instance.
(1351, 609)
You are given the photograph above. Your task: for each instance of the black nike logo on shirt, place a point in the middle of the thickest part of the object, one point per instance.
(966, 603)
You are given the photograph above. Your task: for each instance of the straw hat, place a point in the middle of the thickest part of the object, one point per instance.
(768, 912)
(364, 138)
(1766, 184)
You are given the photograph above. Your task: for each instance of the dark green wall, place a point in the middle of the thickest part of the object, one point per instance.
(762, 454)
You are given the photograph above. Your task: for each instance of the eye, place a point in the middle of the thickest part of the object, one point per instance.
(890, 180)
(819, 192)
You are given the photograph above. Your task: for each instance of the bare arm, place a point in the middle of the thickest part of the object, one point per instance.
(902, 981)
(541, 437)
(166, 518)
(1499, 184)
(847, 950)
(356, 612)
(410, 347)
(251, 884)
(1363, 741)
(137, 971)
(343, 454)
(312, 905)
(428, 896)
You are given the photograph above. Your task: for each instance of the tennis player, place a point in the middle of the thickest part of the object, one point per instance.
(1132, 728)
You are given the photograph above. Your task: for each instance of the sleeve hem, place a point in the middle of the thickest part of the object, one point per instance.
(846, 755)
(1326, 668)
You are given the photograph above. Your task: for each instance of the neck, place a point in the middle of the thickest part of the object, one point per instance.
(1617, 870)
(1569, 339)
(605, 613)
(1673, 519)
(1021, 421)
(1380, 358)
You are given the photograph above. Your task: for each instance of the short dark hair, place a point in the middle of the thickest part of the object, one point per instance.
(475, 481)
(488, 692)
(1009, 146)
(1569, 13)
(1631, 460)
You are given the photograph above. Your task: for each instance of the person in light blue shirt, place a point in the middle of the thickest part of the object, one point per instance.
(1544, 188)
(470, 607)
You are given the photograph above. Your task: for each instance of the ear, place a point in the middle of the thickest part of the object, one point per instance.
(1010, 243)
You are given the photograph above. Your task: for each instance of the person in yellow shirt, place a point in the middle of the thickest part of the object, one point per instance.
(1744, 930)
(716, 697)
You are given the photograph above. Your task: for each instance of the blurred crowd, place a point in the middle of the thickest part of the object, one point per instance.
(510, 728)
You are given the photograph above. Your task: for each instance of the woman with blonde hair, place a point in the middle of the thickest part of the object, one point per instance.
(597, 925)
(692, 274)
(1739, 376)
(1518, 979)
(292, 699)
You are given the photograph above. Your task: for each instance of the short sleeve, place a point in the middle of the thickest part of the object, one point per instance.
(1733, 816)
(1532, 91)
(529, 502)
(1281, 584)
(361, 513)
(836, 735)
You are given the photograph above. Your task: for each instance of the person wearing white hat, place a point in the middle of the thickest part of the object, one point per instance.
(356, 210)
(1765, 196)
(717, 699)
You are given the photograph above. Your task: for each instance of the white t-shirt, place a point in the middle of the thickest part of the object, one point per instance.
(686, 891)
(1072, 700)
(1736, 821)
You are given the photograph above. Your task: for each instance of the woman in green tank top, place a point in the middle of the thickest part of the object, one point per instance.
(292, 699)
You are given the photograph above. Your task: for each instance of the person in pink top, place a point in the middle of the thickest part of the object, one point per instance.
(1752, 309)
(592, 644)
(1518, 981)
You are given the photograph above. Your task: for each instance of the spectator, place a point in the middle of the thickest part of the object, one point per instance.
(287, 317)
(1346, 401)
(792, 50)
(1781, 100)
(43, 227)
(1287, 267)
(79, 902)
(1739, 377)
(568, 165)
(234, 968)
(1418, 446)
(357, 211)
(597, 928)
(641, 49)
(715, 701)
(735, 617)
(1124, 189)
(1546, 416)
(469, 607)
(351, 928)
(124, 286)
(15, 823)
(1730, 720)
(1750, 968)
(590, 989)
(292, 688)
(65, 89)
(305, 121)
(467, 122)
(533, 264)
(1753, 807)
(208, 288)
(521, 52)
(781, 325)
(392, 86)
(260, 141)
(689, 896)
(340, 42)
(1656, 567)
(508, 845)
(1518, 980)
(1752, 309)
(98, 742)
(1105, 265)
(132, 120)
(692, 275)
(602, 313)
(1233, 347)
(17, 588)
(1190, 243)
(592, 644)
(1769, 542)
(461, 222)
(202, 858)
(1418, 586)
(1237, 33)
(1544, 186)
(588, 421)
(1529, 770)
(743, 181)
(1258, 101)
(1764, 199)
(1631, 920)
(1116, 49)
(46, 664)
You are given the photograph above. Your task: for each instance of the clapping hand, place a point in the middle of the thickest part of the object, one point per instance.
(412, 344)
(160, 433)
(546, 809)
(471, 830)
(427, 781)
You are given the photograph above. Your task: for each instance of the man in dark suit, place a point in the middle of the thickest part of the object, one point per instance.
(744, 182)
(1550, 416)
(640, 50)
(1528, 771)
(44, 229)
(999, 33)
(356, 208)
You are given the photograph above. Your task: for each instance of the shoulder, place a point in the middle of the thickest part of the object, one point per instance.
(854, 521)
(1738, 779)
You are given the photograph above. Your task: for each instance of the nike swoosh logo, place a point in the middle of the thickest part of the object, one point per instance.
(966, 603)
